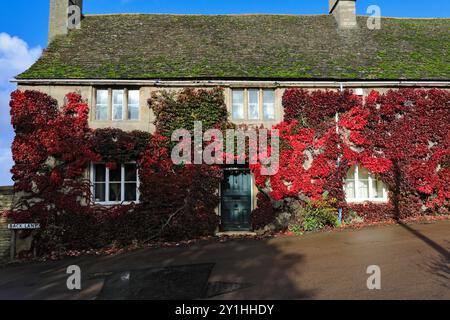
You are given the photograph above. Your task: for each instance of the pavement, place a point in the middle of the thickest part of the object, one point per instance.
(414, 261)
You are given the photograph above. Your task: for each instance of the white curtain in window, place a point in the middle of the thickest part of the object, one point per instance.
(101, 108)
(117, 109)
(253, 104)
(238, 105)
(133, 105)
(350, 184)
(360, 185)
(378, 188)
(269, 104)
(363, 183)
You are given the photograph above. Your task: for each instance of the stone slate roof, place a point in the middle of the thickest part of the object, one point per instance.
(148, 46)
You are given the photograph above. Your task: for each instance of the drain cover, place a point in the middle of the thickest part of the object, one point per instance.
(187, 282)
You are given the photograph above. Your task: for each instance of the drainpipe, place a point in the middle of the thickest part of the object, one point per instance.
(338, 161)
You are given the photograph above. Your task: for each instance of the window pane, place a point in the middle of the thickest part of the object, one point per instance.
(133, 105)
(351, 173)
(363, 183)
(99, 173)
(115, 192)
(238, 104)
(269, 104)
(378, 187)
(115, 175)
(117, 104)
(99, 192)
(363, 173)
(363, 189)
(350, 189)
(102, 96)
(101, 108)
(130, 192)
(253, 104)
(130, 173)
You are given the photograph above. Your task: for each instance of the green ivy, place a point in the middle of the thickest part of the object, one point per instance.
(118, 146)
(179, 110)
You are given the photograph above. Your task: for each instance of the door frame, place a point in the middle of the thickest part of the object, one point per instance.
(252, 185)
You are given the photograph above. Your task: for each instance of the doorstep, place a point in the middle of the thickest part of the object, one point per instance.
(235, 234)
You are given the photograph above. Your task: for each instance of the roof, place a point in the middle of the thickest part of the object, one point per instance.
(150, 46)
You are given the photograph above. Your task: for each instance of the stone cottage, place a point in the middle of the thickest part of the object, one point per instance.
(115, 61)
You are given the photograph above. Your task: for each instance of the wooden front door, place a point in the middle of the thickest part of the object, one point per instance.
(236, 204)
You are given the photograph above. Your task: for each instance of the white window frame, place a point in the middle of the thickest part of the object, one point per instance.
(246, 92)
(107, 184)
(371, 190)
(110, 105)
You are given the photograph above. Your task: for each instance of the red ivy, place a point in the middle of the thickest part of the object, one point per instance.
(402, 136)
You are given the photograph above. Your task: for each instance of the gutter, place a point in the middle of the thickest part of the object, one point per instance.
(234, 83)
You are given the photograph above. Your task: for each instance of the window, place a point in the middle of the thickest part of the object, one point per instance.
(117, 105)
(238, 104)
(269, 105)
(102, 105)
(253, 104)
(112, 186)
(360, 186)
(133, 105)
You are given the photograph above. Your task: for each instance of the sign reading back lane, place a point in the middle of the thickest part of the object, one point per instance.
(24, 226)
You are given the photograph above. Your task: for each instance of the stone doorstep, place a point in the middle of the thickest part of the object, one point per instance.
(235, 234)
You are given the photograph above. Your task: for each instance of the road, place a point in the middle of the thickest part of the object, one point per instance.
(414, 261)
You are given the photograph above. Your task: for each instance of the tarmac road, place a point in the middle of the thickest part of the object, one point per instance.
(414, 261)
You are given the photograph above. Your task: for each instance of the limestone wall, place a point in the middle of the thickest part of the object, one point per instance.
(5, 235)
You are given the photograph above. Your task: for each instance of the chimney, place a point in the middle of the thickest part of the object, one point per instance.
(345, 13)
(63, 17)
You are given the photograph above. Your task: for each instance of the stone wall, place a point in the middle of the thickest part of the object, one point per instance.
(6, 195)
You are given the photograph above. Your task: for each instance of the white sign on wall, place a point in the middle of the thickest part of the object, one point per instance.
(24, 226)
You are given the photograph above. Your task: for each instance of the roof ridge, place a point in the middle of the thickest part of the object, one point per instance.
(404, 18)
(250, 14)
(202, 14)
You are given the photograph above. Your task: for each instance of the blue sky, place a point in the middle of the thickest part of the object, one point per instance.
(24, 24)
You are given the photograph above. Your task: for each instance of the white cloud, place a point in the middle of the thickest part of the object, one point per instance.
(15, 57)
(6, 164)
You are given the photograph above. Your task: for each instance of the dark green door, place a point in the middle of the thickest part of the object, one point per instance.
(236, 202)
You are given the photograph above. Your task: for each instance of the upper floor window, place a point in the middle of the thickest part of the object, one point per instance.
(360, 185)
(253, 104)
(101, 108)
(117, 104)
(133, 105)
(112, 186)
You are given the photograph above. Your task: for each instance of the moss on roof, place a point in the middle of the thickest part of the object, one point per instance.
(147, 46)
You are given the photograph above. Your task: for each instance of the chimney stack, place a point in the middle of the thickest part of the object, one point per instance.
(60, 12)
(345, 13)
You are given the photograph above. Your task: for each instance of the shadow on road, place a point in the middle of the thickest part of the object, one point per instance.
(244, 269)
(440, 265)
(437, 247)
